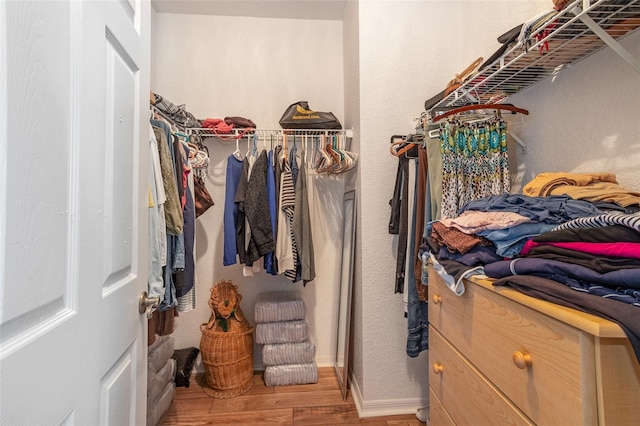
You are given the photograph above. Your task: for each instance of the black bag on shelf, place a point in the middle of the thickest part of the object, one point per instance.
(299, 116)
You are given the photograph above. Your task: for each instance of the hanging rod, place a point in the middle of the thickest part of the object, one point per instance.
(475, 107)
(239, 133)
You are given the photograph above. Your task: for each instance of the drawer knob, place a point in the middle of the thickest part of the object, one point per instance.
(437, 368)
(437, 299)
(521, 360)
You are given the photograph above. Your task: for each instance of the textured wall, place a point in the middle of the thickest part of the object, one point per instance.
(584, 120)
(254, 67)
(409, 50)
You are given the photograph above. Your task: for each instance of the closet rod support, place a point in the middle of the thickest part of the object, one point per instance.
(519, 141)
(606, 38)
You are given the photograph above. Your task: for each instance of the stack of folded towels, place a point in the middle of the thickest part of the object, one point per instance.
(287, 354)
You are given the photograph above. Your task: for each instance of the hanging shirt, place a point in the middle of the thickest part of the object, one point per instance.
(399, 220)
(269, 258)
(240, 216)
(155, 283)
(187, 300)
(284, 240)
(302, 226)
(277, 169)
(293, 163)
(155, 164)
(256, 207)
(172, 208)
(161, 196)
(189, 215)
(251, 159)
(475, 163)
(178, 165)
(172, 214)
(234, 170)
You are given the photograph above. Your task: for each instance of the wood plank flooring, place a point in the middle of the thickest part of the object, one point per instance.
(313, 404)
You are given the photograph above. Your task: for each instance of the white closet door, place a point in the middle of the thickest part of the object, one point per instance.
(74, 84)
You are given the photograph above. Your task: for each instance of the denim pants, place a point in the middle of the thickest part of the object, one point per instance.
(417, 313)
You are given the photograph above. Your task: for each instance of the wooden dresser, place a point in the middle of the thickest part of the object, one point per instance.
(498, 357)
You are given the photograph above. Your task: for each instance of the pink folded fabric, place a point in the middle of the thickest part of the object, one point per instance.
(472, 221)
(629, 250)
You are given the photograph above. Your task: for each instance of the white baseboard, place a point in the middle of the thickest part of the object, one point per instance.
(385, 407)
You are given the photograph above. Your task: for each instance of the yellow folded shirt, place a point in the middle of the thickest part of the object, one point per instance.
(600, 191)
(544, 183)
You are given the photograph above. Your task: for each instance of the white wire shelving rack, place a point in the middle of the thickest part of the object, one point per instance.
(576, 32)
(238, 133)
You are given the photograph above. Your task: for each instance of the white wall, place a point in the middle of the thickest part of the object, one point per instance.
(255, 68)
(584, 120)
(409, 50)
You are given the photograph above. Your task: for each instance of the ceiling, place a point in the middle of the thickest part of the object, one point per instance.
(328, 10)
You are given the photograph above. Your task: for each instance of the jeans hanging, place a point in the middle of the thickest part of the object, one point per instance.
(417, 314)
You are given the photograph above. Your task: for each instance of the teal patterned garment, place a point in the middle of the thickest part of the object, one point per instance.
(475, 162)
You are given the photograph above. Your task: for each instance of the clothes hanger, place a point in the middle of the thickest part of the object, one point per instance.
(329, 155)
(237, 154)
(305, 148)
(193, 150)
(254, 149)
(416, 140)
(343, 160)
(335, 155)
(336, 147)
(182, 135)
(316, 157)
(351, 158)
(339, 161)
(285, 154)
(498, 107)
(248, 154)
(348, 161)
(200, 160)
(325, 162)
(201, 147)
(398, 148)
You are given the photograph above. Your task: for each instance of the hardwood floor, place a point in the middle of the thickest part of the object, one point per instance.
(313, 404)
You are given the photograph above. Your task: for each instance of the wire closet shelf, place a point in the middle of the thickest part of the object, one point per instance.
(576, 32)
(248, 132)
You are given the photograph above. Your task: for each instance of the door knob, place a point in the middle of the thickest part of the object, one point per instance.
(146, 303)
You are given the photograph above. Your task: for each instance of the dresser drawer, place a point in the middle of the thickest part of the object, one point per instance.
(465, 395)
(438, 416)
(545, 367)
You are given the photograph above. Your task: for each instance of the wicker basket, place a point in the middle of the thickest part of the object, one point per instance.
(228, 362)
